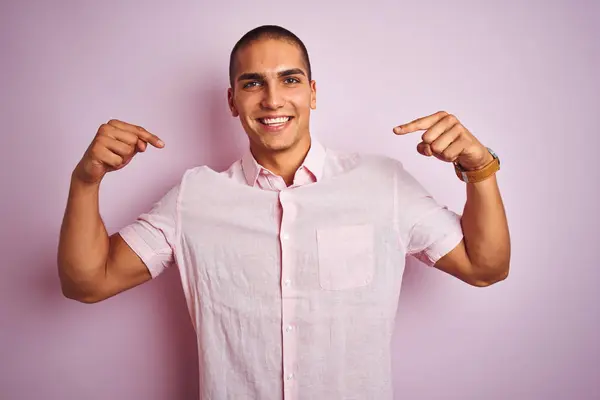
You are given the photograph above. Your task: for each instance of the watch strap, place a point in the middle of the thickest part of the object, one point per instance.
(478, 175)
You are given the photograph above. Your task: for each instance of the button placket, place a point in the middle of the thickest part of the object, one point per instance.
(289, 345)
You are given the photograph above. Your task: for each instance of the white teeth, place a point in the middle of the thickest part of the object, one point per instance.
(275, 121)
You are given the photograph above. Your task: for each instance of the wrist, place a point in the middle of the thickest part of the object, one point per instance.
(488, 158)
(482, 171)
(81, 185)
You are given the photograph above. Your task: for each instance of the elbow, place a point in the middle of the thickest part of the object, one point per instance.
(82, 298)
(75, 291)
(491, 276)
(79, 295)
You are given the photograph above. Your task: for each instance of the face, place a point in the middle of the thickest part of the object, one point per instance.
(272, 95)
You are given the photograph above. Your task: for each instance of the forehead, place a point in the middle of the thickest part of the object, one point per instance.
(269, 55)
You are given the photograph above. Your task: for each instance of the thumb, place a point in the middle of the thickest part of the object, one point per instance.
(141, 146)
(424, 149)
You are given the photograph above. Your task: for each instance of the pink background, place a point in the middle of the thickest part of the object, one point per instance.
(523, 78)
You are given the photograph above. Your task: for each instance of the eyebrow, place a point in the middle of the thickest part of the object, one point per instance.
(257, 76)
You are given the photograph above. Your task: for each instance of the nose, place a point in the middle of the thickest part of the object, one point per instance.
(273, 98)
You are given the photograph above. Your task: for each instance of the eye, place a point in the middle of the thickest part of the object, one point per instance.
(292, 80)
(251, 84)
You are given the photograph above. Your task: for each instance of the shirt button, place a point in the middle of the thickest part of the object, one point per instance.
(289, 328)
(287, 282)
(290, 377)
(285, 236)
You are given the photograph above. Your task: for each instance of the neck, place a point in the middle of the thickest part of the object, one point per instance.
(284, 163)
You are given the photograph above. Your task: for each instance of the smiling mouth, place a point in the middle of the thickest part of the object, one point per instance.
(277, 121)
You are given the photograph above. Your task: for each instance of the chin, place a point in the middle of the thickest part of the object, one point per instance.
(277, 144)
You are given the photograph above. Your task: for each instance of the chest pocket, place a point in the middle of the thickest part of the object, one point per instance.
(346, 256)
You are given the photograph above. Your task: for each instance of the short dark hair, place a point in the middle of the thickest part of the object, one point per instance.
(267, 32)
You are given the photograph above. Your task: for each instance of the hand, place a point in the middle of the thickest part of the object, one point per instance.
(448, 140)
(113, 147)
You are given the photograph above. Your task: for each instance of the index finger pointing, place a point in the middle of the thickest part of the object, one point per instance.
(420, 124)
(150, 138)
(139, 131)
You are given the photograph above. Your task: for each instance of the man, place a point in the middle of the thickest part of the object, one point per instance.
(291, 260)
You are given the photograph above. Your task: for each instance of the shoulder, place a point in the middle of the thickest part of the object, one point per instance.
(376, 169)
(196, 171)
(201, 177)
(189, 178)
(370, 162)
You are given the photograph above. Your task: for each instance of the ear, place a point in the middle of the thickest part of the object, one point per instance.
(313, 94)
(232, 108)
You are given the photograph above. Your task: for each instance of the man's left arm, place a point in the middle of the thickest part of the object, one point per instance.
(482, 258)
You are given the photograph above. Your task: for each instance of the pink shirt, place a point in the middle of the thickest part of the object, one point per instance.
(293, 290)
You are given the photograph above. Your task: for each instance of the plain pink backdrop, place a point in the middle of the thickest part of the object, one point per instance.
(522, 78)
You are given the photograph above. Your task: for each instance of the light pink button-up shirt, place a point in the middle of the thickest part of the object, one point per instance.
(293, 290)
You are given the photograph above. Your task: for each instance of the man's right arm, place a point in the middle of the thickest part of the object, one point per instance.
(93, 266)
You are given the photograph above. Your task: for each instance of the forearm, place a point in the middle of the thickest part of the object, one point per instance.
(485, 229)
(84, 242)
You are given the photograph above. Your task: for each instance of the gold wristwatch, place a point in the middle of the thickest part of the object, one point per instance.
(478, 175)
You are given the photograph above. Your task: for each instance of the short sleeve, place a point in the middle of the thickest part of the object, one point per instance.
(428, 230)
(152, 235)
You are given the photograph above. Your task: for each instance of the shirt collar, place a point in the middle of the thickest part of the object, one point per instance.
(314, 162)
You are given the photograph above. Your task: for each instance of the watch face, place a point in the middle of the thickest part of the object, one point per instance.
(494, 154)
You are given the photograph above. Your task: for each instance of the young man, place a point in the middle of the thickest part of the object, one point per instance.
(291, 260)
